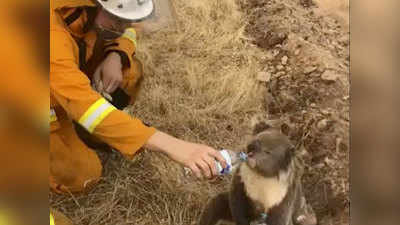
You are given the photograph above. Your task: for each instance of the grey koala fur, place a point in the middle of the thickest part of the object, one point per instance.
(269, 182)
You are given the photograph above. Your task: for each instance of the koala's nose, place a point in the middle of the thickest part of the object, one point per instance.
(254, 147)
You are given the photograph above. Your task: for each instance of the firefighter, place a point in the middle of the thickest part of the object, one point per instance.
(92, 52)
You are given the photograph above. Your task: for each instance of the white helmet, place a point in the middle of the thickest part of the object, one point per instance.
(131, 10)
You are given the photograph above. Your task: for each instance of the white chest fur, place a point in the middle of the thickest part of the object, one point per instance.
(267, 191)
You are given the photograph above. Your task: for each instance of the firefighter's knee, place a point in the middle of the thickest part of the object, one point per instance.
(73, 166)
(79, 176)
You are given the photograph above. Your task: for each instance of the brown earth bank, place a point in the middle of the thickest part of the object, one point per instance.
(206, 76)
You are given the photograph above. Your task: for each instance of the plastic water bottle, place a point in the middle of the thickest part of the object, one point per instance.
(233, 159)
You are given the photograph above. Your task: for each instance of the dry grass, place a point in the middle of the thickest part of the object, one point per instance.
(199, 69)
(200, 86)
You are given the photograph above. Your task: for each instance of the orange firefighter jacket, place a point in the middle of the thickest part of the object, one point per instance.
(70, 88)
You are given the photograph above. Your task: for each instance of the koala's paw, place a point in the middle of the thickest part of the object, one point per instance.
(306, 220)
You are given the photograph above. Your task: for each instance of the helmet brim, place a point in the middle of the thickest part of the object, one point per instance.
(141, 13)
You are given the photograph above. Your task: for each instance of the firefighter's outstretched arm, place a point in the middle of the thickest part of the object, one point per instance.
(199, 158)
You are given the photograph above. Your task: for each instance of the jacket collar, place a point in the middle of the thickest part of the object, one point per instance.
(59, 4)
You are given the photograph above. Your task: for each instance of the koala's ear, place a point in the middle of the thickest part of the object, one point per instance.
(288, 157)
(260, 127)
(291, 151)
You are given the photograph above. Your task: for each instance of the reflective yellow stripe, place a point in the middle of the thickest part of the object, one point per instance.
(96, 114)
(53, 116)
(130, 33)
(51, 220)
(92, 109)
(101, 118)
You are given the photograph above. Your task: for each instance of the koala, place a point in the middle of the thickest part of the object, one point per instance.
(266, 189)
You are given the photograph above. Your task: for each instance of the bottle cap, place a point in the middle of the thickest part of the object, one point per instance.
(242, 156)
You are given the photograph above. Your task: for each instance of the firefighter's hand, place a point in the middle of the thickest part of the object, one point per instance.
(110, 73)
(199, 158)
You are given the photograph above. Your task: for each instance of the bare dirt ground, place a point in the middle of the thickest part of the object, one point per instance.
(222, 63)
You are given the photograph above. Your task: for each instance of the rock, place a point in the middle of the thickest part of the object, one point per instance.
(268, 56)
(306, 3)
(264, 76)
(319, 166)
(313, 105)
(297, 52)
(284, 60)
(345, 39)
(325, 112)
(275, 52)
(310, 69)
(330, 64)
(281, 73)
(321, 69)
(304, 153)
(329, 75)
(329, 162)
(279, 67)
(276, 39)
(322, 124)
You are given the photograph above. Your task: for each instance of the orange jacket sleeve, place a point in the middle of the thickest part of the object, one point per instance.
(71, 89)
(125, 46)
